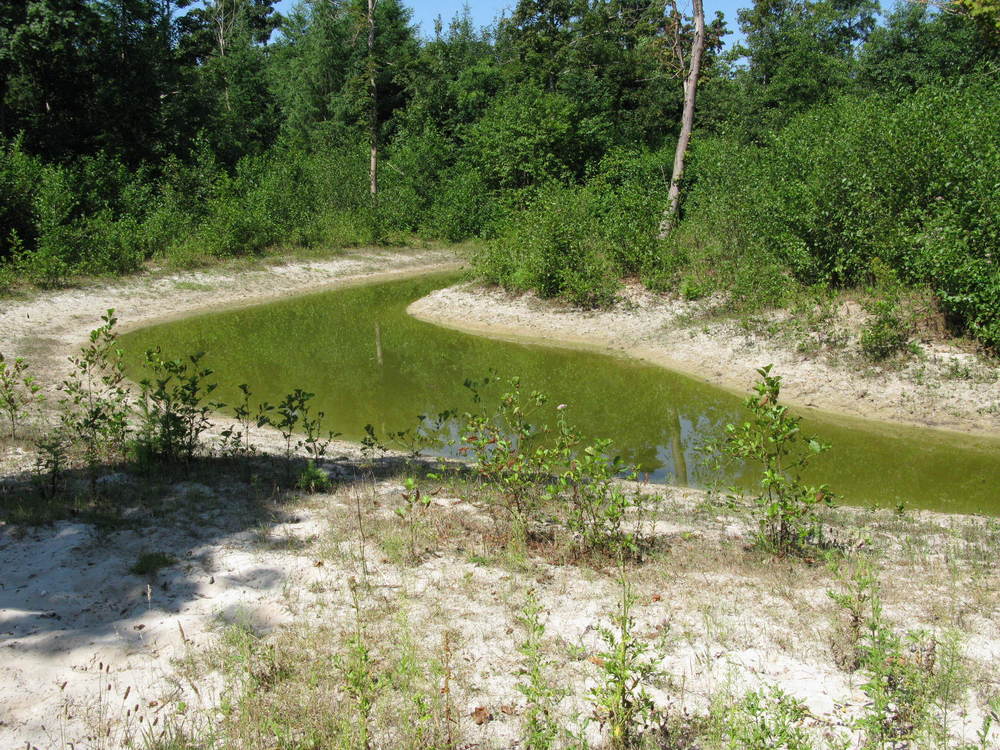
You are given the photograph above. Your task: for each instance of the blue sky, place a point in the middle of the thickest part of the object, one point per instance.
(485, 11)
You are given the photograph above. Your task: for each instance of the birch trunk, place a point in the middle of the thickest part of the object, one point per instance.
(687, 121)
(373, 109)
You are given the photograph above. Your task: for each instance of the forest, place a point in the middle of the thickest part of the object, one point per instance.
(838, 144)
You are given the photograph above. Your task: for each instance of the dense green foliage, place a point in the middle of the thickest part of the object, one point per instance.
(133, 130)
(910, 180)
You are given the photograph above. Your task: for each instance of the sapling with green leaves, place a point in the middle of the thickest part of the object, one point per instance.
(289, 412)
(429, 432)
(174, 407)
(96, 404)
(19, 391)
(540, 726)
(514, 453)
(606, 516)
(236, 441)
(785, 507)
(316, 441)
(51, 461)
(621, 700)
(415, 502)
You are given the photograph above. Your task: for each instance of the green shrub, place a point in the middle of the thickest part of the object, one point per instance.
(509, 446)
(173, 407)
(785, 508)
(766, 718)
(858, 179)
(96, 402)
(20, 175)
(313, 479)
(19, 390)
(529, 136)
(554, 247)
(462, 206)
(886, 333)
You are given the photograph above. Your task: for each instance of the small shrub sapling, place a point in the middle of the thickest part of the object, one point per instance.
(19, 391)
(785, 508)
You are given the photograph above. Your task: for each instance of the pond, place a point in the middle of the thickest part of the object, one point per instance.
(368, 362)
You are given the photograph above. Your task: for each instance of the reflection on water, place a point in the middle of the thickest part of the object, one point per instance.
(368, 362)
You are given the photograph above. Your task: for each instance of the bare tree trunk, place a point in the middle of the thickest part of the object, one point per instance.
(223, 27)
(687, 121)
(373, 110)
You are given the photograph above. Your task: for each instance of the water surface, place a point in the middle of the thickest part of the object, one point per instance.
(327, 343)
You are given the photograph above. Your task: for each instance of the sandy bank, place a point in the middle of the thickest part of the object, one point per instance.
(50, 326)
(658, 329)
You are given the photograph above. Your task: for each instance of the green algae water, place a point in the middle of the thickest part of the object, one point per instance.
(368, 362)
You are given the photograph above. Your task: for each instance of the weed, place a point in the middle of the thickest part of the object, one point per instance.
(18, 392)
(313, 479)
(540, 726)
(765, 719)
(358, 672)
(250, 662)
(150, 563)
(621, 700)
(415, 502)
(912, 681)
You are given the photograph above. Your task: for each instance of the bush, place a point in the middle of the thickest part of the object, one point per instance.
(856, 180)
(462, 206)
(529, 136)
(554, 247)
(20, 175)
(785, 508)
(577, 241)
(173, 407)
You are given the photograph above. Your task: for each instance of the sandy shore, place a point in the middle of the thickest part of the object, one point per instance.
(50, 326)
(658, 329)
(77, 631)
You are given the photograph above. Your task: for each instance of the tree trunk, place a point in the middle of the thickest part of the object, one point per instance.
(373, 109)
(687, 121)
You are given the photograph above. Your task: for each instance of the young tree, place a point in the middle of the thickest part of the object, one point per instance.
(223, 43)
